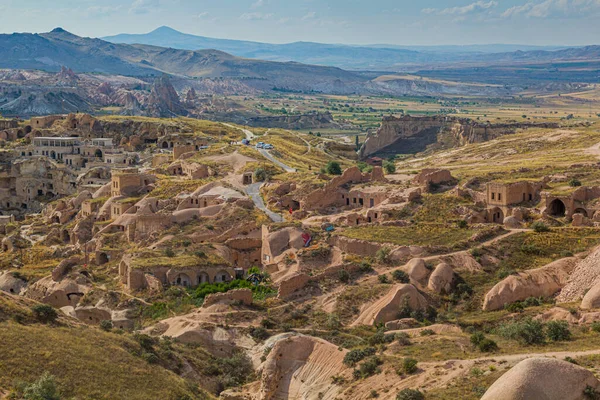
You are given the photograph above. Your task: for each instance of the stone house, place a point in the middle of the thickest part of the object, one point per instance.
(185, 270)
(501, 198)
(129, 182)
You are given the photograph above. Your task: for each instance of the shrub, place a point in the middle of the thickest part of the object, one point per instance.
(409, 365)
(389, 167)
(427, 332)
(540, 227)
(596, 327)
(527, 331)
(558, 331)
(383, 278)
(106, 325)
(591, 393)
(353, 357)
(261, 175)
(476, 252)
(268, 323)
(365, 267)
(571, 360)
(343, 276)
(410, 394)
(487, 346)
(401, 276)
(462, 224)
(380, 338)
(44, 313)
(43, 389)
(516, 307)
(333, 168)
(370, 367)
(169, 252)
(477, 338)
(403, 338)
(383, 255)
(150, 358)
(259, 334)
(574, 182)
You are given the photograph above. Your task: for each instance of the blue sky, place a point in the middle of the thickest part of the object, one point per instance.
(418, 22)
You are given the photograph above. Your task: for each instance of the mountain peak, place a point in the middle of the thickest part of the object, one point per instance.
(165, 29)
(58, 30)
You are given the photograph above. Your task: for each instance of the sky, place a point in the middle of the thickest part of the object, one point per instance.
(400, 22)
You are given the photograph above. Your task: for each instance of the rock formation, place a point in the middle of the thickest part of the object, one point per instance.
(164, 100)
(541, 282)
(387, 308)
(542, 378)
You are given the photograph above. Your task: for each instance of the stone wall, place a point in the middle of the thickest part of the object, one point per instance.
(291, 284)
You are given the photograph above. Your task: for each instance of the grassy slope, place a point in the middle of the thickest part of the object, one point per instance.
(87, 363)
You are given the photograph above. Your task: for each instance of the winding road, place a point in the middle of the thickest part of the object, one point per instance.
(254, 192)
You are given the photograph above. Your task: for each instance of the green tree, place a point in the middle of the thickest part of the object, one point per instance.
(333, 168)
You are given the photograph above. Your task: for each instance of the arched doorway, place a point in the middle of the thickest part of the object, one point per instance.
(222, 276)
(581, 211)
(65, 236)
(497, 216)
(203, 278)
(53, 155)
(98, 153)
(165, 145)
(557, 208)
(183, 280)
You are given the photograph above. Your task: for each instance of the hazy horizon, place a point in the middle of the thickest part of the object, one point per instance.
(354, 22)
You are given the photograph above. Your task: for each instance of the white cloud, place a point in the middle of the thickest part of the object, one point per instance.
(203, 15)
(548, 8)
(256, 16)
(258, 4)
(477, 7)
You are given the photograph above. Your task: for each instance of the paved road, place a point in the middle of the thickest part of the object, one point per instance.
(266, 154)
(254, 192)
(249, 134)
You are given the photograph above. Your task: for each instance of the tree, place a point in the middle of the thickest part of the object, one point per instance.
(410, 394)
(333, 168)
(357, 143)
(42, 389)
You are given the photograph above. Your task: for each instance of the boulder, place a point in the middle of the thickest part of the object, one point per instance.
(417, 271)
(541, 282)
(512, 223)
(404, 323)
(442, 279)
(557, 314)
(591, 298)
(542, 379)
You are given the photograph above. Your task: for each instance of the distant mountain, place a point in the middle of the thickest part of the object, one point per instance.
(380, 56)
(50, 51)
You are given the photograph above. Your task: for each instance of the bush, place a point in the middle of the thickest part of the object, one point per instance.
(261, 175)
(343, 276)
(527, 331)
(558, 331)
(487, 346)
(259, 334)
(427, 332)
(591, 393)
(383, 278)
(540, 227)
(410, 394)
(389, 167)
(462, 224)
(401, 276)
(380, 338)
(106, 325)
(353, 357)
(43, 389)
(169, 253)
(370, 367)
(596, 327)
(333, 168)
(403, 338)
(383, 255)
(574, 182)
(516, 307)
(409, 365)
(44, 313)
(477, 338)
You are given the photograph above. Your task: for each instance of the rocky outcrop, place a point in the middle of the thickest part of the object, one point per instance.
(11, 283)
(585, 276)
(591, 298)
(541, 282)
(67, 292)
(542, 378)
(242, 296)
(417, 271)
(387, 308)
(408, 134)
(301, 121)
(164, 100)
(442, 279)
(301, 367)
